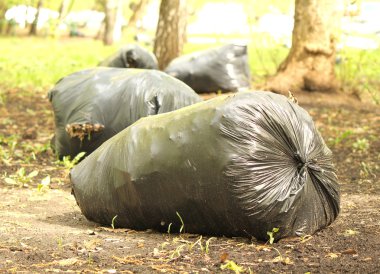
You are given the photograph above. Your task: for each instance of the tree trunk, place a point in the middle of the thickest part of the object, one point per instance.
(171, 31)
(65, 8)
(138, 12)
(33, 27)
(110, 21)
(3, 22)
(310, 63)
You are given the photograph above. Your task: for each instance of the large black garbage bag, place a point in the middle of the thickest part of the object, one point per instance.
(91, 106)
(221, 69)
(235, 165)
(131, 56)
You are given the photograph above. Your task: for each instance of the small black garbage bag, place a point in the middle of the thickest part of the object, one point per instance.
(221, 69)
(131, 56)
(91, 106)
(237, 165)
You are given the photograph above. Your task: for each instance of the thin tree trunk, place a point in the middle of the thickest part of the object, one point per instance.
(33, 27)
(109, 21)
(65, 8)
(3, 22)
(4, 26)
(171, 31)
(138, 12)
(62, 9)
(310, 63)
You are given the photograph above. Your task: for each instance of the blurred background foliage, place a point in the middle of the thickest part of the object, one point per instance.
(68, 43)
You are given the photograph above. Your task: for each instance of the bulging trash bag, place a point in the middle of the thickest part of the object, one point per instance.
(131, 56)
(237, 165)
(221, 69)
(92, 105)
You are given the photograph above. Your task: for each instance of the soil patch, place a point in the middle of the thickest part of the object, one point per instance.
(43, 230)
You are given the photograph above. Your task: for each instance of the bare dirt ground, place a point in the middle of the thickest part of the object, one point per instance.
(43, 230)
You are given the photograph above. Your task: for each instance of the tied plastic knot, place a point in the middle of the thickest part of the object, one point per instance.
(303, 166)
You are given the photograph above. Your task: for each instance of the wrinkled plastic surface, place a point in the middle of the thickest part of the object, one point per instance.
(111, 99)
(131, 56)
(221, 69)
(237, 165)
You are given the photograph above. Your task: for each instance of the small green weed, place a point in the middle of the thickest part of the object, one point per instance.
(207, 245)
(45, 183)
(340, 138)
(60, 242)
(231, 265)
(271, 234)
(169, 228)
(361, 145)
(197, 242)
(21, 178)
(113, 222)
(177, 252)
(366, 170)
(10, 142)
(68, 163)
(36, 148)
(182, 223)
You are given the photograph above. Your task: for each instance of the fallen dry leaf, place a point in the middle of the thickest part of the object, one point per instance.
(68, 262)
(114, 230)
(128, 260)
(223, 257)
(333, 255)
(349, 251)
(366, 259)
(263, 248)
(350, 232)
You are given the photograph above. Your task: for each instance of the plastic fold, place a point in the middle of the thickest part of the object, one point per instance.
(131, 56)
(224, 69)
(236, 165)
(93, 105)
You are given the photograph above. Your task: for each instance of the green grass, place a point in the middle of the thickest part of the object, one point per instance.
(359, 73)
(36, 64)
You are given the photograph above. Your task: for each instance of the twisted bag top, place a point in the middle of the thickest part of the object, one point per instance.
(131, 56)
(235, 165)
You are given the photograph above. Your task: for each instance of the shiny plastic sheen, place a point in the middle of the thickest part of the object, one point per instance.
(220, 69)
(111, 99)
(237, 165)
(131, 56)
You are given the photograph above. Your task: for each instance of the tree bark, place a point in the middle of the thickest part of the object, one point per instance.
(171, 31)
(310, 63)
(33, 27)
(3, 10)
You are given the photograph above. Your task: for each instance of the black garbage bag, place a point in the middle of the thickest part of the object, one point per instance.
(131, 56)
(91, 106)
(237, 165)
(221, 69)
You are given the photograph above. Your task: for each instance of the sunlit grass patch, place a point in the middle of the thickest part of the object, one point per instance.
(358, 71)
(38, 63)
